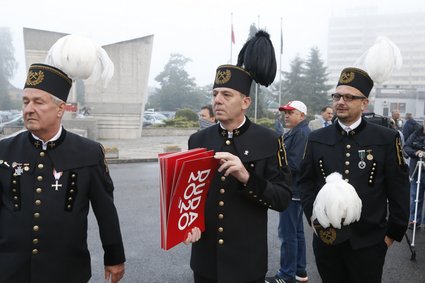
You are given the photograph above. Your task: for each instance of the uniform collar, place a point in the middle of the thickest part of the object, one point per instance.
(51, 144)
(356, 127)
(236, 132)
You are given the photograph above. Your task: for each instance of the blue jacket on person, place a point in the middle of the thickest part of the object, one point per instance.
(409, 127)
(295, 141)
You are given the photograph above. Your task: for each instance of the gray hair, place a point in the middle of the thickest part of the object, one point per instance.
(56, 100)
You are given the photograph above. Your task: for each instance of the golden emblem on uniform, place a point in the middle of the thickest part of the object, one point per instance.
(328, 236)
(369, 155)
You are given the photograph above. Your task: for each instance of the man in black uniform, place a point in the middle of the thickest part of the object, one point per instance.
(369, 157)
(48, 179)
(253, 176)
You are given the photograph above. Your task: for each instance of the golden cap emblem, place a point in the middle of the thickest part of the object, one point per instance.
(35, 78)
(223, 76)
(346, 77)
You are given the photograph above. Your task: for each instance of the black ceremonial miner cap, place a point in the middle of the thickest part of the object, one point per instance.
(233, 77)
(356, 78)
(49, 79)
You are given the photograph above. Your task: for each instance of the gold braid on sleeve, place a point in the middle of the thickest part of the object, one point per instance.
(281, 153)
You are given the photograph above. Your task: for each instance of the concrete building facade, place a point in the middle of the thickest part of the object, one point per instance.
(352, 34)
(118, 109)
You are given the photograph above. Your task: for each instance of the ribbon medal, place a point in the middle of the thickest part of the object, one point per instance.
(362, 155)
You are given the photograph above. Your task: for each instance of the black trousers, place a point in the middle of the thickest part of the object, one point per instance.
(341, 263)
(200, 279)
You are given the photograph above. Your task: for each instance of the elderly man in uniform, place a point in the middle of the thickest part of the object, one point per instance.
(253, 176)
(48, 179)
(369, 158)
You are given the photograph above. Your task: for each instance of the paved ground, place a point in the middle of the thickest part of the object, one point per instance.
(145, 148)
(137, 201)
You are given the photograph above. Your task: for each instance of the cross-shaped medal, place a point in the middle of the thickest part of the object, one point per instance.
(57, 175)
(56, 185)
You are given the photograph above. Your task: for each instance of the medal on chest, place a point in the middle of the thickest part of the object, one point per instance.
(362, 155)
(18, 168)
(57, 176)
(369, 155)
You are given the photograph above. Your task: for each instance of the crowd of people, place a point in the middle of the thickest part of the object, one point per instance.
(340, 149)
(49, 177)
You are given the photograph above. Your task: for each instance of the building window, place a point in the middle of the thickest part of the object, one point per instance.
(398, 106)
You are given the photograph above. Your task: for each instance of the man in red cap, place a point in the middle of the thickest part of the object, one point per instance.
(291, 227)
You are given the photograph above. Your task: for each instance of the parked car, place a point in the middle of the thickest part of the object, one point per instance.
(153, 118)
(16, 121)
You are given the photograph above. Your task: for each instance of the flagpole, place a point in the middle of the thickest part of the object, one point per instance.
(231, 37)
(280, 63)
(256, 86)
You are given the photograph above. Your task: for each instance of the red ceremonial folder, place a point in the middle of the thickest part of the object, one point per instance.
(185, 178)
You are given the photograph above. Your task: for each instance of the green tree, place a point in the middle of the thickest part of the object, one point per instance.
(7, 67)
(293, 82)
(315, 78)
(178, 90)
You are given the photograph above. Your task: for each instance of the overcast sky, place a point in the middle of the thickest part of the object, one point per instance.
(197, 29)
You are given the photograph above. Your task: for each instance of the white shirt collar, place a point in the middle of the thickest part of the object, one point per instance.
(352, 126)
(44, 143)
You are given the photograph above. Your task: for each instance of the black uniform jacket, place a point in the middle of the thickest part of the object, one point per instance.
(43, 223)
(234, 246)
(370, 159)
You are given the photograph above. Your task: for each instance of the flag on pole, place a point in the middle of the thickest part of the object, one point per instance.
(233, 35)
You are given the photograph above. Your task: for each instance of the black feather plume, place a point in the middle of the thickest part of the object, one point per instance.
(258, 58)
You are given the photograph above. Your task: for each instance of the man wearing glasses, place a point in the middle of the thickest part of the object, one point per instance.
(368, 157)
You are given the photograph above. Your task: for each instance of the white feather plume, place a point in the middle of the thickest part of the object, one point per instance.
(80, 58)
(381, 59)
(337, 202)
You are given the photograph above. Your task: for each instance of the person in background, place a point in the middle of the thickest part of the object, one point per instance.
(253, 175)
(410, 125)
(206, 117)
(324, 120)
(369, 158)
(49, 179)
(278, 126)
(291, 225)
(395, 115)
(415, 148)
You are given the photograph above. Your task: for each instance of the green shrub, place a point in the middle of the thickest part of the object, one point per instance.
(181, 122)
(189, 114)
(266, 122)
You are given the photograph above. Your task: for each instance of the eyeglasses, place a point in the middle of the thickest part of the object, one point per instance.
(346, 97)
